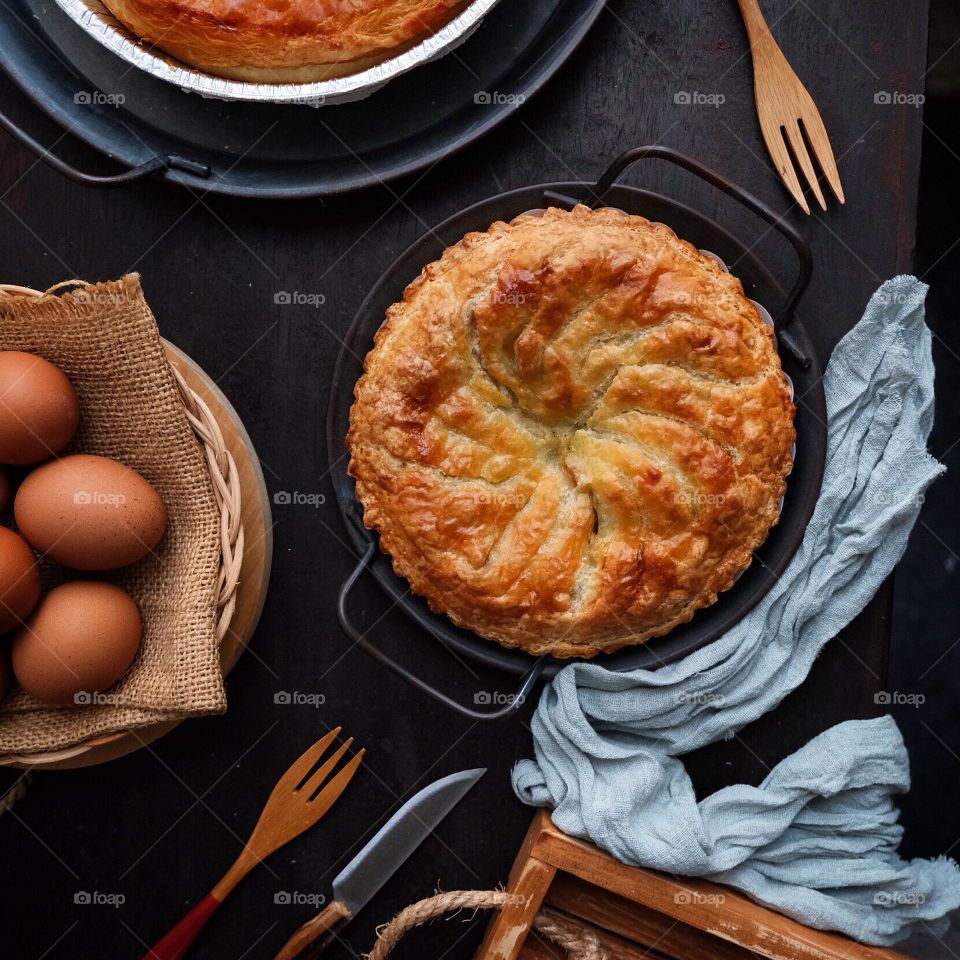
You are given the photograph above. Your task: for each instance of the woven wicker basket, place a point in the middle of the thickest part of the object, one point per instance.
(227, 493)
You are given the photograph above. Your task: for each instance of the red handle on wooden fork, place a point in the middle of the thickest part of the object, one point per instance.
(176, 943)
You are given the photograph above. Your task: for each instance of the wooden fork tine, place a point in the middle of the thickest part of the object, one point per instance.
(820, 143)
(315, 782)
(781, 157)
(337, 785)
(304, 764)
(783, 104)
(795, 139)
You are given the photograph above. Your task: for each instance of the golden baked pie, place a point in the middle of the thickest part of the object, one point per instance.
(283, 41)
(573, 432)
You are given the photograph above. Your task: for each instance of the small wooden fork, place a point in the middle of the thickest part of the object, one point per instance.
(297, 802)
(782, 105)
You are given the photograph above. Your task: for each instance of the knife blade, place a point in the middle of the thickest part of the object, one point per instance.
(380, 858)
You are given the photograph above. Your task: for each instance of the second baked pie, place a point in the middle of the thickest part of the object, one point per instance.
(573, 432)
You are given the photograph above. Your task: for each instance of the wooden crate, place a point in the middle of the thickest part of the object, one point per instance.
(639, 913)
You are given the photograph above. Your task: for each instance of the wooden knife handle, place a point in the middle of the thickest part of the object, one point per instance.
(318, 933)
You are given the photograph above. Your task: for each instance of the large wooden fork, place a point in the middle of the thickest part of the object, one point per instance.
(297, 802)
(783, 104)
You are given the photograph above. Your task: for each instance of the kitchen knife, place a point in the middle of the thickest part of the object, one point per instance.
(373, 866)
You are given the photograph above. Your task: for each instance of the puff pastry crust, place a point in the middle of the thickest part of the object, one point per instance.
(572, 433)
(283, 41)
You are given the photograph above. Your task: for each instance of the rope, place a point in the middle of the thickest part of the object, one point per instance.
(580, 944)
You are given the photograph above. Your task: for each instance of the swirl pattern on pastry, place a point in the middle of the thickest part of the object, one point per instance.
(572, 433)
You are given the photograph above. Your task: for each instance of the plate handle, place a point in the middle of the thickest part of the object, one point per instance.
(360, 638)
(747, 199)
(146, 169)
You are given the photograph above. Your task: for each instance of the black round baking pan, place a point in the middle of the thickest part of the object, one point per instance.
(272, 150)
(797, 356)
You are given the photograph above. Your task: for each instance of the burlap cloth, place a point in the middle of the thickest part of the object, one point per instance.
(105, 339)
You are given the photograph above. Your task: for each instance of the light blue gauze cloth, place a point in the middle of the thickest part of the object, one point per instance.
(818, 839)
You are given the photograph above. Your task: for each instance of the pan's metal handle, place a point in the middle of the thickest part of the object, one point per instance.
(359, 637)
(779, 223)
(146, 169)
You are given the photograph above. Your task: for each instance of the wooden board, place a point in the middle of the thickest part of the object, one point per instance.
(251, 590)
(675, 917)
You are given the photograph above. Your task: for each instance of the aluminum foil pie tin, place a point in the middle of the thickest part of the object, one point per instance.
(94, 18)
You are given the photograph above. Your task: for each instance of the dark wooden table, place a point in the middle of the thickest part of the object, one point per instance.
(159, 827)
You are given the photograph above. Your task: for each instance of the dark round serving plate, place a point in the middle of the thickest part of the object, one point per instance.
(274, 151)
(799, 362)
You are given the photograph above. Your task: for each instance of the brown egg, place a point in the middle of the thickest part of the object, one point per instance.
(80, 640)
(89, 513)
(39, 411)
(19, 580)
